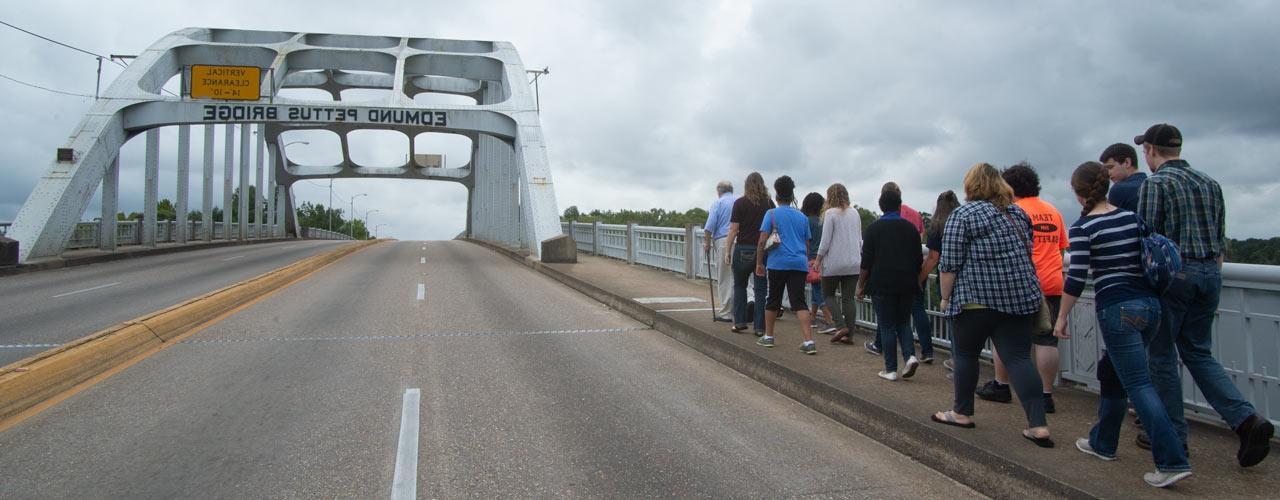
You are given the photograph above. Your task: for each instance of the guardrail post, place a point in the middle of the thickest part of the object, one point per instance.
(595, 238)
(631, 243)
(689, 268)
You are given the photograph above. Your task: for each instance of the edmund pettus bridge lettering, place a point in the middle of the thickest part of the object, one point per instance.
(249, 112)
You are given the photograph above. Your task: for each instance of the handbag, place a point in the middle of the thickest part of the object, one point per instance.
(1043, 322)
(812, 277)
(774, 241)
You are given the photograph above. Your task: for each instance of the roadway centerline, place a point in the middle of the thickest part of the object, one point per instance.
(404, 483)
(99, 287)
(422, 260)
(422, 291)
(233, 258)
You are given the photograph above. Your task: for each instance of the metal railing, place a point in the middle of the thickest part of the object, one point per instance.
(88, 234)
(1246, 332)
(322, 234)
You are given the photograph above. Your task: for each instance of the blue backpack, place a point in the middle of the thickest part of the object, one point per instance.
(1161, 258)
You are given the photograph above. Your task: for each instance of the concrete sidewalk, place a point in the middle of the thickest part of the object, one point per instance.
(841, 383)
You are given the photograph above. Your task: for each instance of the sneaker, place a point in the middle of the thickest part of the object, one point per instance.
(995, 391)
(1164, 479)
(759, 333)
(1048, 404)
(1082, 444)
(927, 359)
(910, 369)
(872, 347)
(1255, 440)
(809, 348)
(1145, 443)
(890, 376)
(828, 330)
(765, 341)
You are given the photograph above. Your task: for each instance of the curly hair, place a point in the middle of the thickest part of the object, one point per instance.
(1091, 182)
(754, 189)
(812, 204)
(1024, 180)
(837, 196)
(983, 183)
(785, 189)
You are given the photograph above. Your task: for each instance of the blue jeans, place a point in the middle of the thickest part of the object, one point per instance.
(815, 295)
(893, 322)
(924, 327)
(1188, 308)
(1124, 326)
(744, 268)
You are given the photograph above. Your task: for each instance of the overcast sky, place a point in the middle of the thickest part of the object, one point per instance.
(649, 103)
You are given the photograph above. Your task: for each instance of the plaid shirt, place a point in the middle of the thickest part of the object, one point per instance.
(991, 261)
(1185, 205)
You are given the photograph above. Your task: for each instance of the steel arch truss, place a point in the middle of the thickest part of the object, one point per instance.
(510, 193)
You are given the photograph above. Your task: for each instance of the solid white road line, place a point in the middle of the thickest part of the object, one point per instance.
(422, 291)
(404, 484)
(99, 287)
(422, 260)
(233, 258)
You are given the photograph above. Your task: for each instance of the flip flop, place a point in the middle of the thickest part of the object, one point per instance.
(1043, 442)
(949, 418)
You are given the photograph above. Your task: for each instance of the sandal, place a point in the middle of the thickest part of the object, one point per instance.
(1043, 442)
(738, 328)
(949, 418)
(840, 335)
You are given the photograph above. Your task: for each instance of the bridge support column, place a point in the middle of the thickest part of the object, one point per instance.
(206, 202)
(228, 158)
(151, 188)
(184, 183)
(259, 190)
(273, 221)
(242, 222)
(110, 204)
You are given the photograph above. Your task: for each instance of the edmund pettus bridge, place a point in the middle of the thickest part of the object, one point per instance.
(255, 357)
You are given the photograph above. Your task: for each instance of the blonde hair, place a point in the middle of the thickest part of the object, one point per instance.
(984, 183)
(837, 197)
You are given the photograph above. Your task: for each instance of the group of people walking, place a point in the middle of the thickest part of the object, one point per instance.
(999, 261)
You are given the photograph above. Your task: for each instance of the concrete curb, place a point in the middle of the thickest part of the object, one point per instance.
(27, 383)
(980, 469)
(58, 263)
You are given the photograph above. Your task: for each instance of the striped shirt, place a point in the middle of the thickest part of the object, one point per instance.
(1110, 247)
(1185, 205)
(991, 260)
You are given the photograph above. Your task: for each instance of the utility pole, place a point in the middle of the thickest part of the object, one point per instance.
(537, 96)
(330, 204)
(352, 223)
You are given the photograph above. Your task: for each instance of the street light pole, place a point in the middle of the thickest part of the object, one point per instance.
(375, 230)
(352, 223)
(366, 216)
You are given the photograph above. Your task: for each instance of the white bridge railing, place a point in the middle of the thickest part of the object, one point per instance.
(1246, 333)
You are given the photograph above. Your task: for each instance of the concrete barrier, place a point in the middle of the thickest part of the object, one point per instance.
(26, 384)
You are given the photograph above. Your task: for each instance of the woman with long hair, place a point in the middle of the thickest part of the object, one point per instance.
(1107, 243)
(947, 203)
(744, 233)
(811, 207)
(839, 259)
(990, 287)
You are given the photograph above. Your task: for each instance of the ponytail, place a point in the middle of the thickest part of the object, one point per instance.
(1091, 182)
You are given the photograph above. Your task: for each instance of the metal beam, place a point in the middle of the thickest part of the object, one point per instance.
(184, 183)
(229, 131)
(242, 224)
(206, 201)
(151, 188)
(259, 189)
(110, 204)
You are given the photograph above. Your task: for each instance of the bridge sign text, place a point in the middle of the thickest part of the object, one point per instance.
(241, 83)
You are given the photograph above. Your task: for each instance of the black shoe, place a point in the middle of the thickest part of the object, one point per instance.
(1048, 404)
(1145, 443)
(995, 391)
(1255, 440)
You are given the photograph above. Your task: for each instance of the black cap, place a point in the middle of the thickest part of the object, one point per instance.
(1161, 135)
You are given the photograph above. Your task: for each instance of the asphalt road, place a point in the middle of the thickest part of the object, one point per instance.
(526, 389)
(56, 306)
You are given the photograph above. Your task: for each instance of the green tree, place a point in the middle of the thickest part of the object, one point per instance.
(317, 215)
(166, 211)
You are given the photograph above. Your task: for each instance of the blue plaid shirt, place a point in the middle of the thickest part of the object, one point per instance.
(1186, 206)
(992, 263)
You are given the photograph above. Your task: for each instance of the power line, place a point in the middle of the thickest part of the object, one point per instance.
(15, 80)
(47, 39)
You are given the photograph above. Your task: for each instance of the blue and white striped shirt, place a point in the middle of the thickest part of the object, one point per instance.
(1108, 246)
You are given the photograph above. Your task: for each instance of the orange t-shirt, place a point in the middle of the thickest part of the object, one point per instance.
(1050, 241)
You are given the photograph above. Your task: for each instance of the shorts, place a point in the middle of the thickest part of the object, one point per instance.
(1046, 338)
(793, 282)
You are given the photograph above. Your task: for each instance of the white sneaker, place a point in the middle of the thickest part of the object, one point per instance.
(828, 330)
(910, 369)
(1164, 479)
(1082, 444)
(890, 376)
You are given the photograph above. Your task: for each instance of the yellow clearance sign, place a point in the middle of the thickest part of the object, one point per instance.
(239, 83)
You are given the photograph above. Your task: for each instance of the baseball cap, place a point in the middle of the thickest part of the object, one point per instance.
(1161, 135)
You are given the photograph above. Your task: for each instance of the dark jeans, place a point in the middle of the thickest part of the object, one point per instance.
(844, 311)
(744, 268)
(1124, 326)
(923, 324)
(893, 322)
(1187, 311)
(1011, 336)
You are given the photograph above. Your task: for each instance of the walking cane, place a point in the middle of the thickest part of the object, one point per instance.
(711, 284)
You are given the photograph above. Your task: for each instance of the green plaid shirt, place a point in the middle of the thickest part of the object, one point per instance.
(1185, 205)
